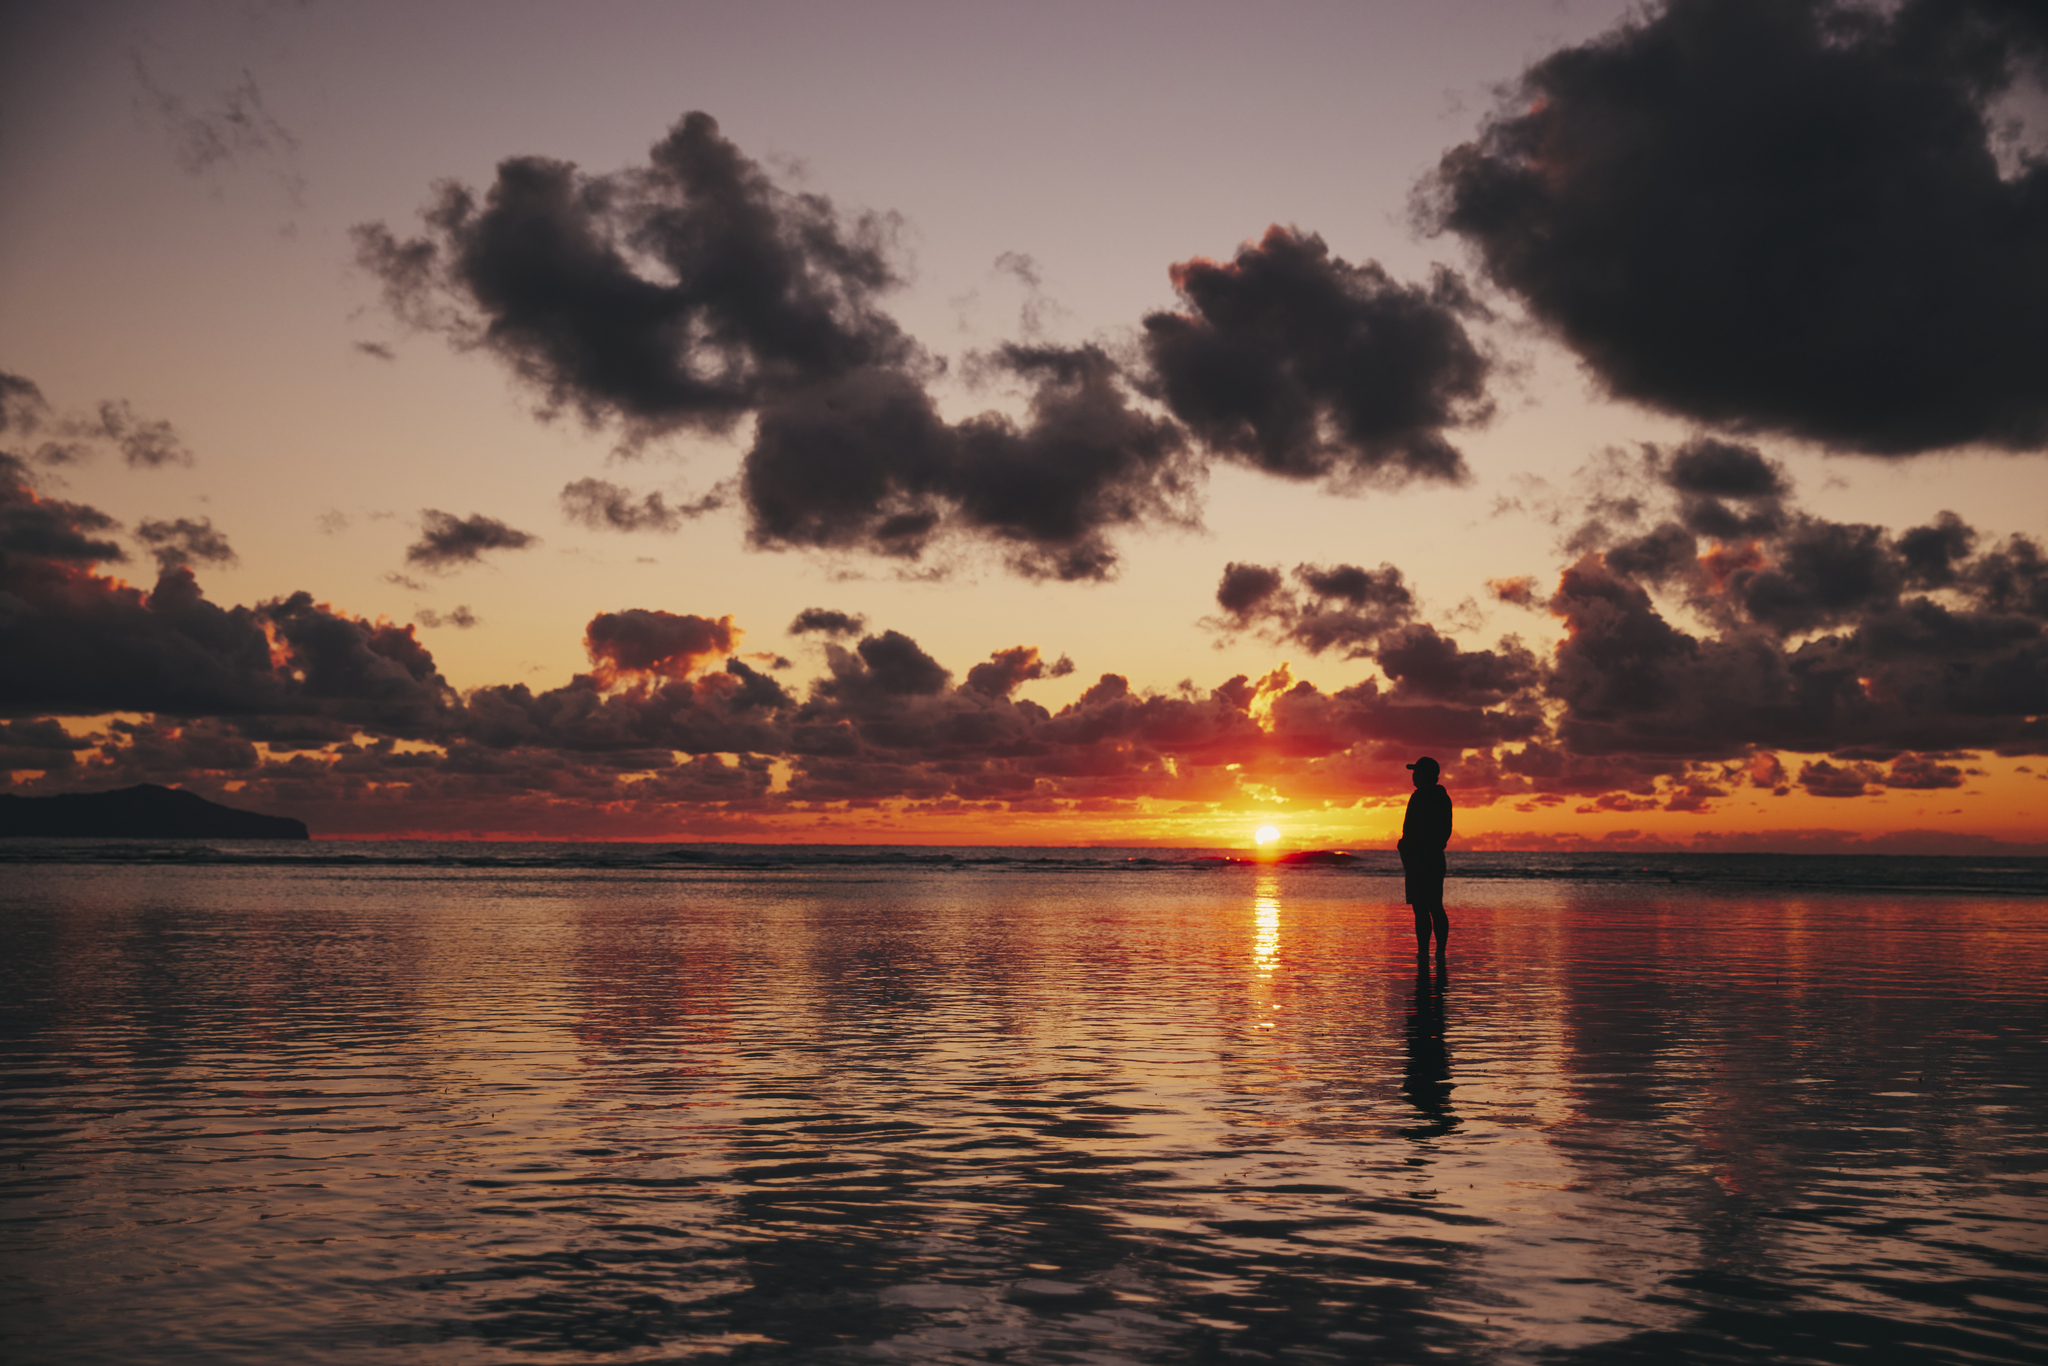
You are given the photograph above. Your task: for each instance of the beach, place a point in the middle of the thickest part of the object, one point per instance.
(495, 1103)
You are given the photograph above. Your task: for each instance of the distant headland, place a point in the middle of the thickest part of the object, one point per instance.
(145, 812)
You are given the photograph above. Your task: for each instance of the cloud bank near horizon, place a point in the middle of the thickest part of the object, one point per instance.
(1888, 660)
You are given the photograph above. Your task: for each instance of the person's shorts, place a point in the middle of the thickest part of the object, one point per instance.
(1423, 871)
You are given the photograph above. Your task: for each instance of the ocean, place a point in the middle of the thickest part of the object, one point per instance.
(405, 1102)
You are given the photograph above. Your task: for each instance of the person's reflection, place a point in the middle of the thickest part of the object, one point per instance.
(1427, 1083)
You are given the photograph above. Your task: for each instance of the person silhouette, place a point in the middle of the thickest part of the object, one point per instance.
(1424, 832)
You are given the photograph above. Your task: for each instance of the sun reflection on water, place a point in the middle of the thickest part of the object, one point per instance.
(1266, 916)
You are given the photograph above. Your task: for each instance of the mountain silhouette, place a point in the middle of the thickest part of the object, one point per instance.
(145, 812)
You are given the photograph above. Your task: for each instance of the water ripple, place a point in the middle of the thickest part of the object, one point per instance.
(977, 1113)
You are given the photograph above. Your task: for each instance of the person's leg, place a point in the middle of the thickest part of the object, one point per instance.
(1429, 916)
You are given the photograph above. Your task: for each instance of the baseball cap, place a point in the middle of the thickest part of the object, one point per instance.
(1426, 762)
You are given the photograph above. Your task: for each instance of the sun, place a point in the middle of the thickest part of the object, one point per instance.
(1266, 834)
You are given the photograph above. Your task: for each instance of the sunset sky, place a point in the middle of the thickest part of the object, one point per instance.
(959, 423)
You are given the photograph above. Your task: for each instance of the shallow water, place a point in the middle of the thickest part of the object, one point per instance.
(399, 1113)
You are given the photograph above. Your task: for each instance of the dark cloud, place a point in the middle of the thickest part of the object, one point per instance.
(1245, 588)
(637, 708)
(41, 745)
(1620, 658)
(868, 464)
(90, 646)
(1724, 469)
(1781, 215)
(677, 295)
(1725, 490)
(1443, 697)
(76, 643)
(1382, 589)
(1823, 779)
(1822, 645)
(1083, 462)
(73, 642)
(1303, 365)
(663, 644)
(169, 752)
(376, 350)
(184, 542)
(1715, 518)
(1820, 574)
(1922, 773)
(825, 621)
(1343, 606)
(2012, 578)
(1424, 664)
(1930, 554)
(461, 618)
(369, 672)
(1007, 670)
(1348, 608)
(1721, 490)
(447, 540)
(886, 724)
(1519, 591)
(888, 665)
(751, 690)
(1659, 556)
(858, 464)
(43, 537)
(1694, 797)
(597, 504)
(1824, 638)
